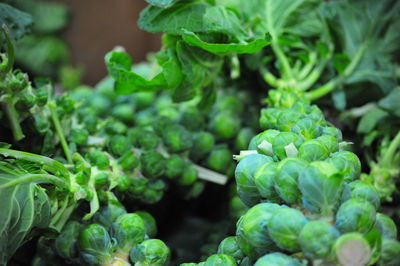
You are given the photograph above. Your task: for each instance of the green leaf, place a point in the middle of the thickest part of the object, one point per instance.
(391, 102)
(369, 121)
(17, 22)
(225, 48)
(321, 186)
(162, 3)
(204, 18)
(25, 208)
(49, 17)
(119, 66)
(339, 99)
(367, 31)
(199, 67)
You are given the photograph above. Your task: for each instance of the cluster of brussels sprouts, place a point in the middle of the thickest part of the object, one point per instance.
(306, 202)
(113, 237)
(154, 141)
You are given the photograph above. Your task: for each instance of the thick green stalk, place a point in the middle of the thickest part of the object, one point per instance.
(13, 117)
(60, 134)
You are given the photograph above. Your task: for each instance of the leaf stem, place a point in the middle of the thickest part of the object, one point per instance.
(36, 178)
(286, 69)
(13, 117)
(60, 134)
(333, 83)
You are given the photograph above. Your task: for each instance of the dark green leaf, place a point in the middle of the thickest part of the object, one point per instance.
(162, 3)
(391, 102)
(370, 120)
(17, 22)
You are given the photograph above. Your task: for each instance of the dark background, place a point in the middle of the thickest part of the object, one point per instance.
(97, 26)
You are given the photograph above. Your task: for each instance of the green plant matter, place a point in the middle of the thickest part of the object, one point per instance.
(301, 198)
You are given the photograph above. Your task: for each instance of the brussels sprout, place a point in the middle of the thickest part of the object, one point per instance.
(362, 190)
(284, 228)
(105, 88)
(285, 182)
(124, 182)
(42, 95)
(79, 136)
(228, 103)
(301, 106)
(95, 245)
(128, 230)
(352, 249)
(145, 117)
(306, 128)
(65, 105)
(153, 192)
(316, 114)
(269, 118)
(150, 252)
(347, 162)
(66, 243)
(282, 140)
(124, 112)
(264, 180)
(153, 164)
(244, 175)
(386, 226)
(252, 229)
(89, 119)
(128, 161)
(189, 175)
(203, 143)
(175, 166)
(278, 259)
(192, 118)
(42, 124)
(313, 150)
(176, 138)
(243, 138)
(330, 143)
(220, 260)
(101, 180)
(316, 239)
(390, 253)
(321, 186)
(143, 138)
(109, 214)
(332, 131)
(99, 104)
(263, 142)
(287, 119)
(169, 112)
(25, 102)
(355, 215)
(225, 125)
(150, 223)
(138, 186)
(219, 159)
(118, 145)
(115, 128)
(143, 99)
(230, 246)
